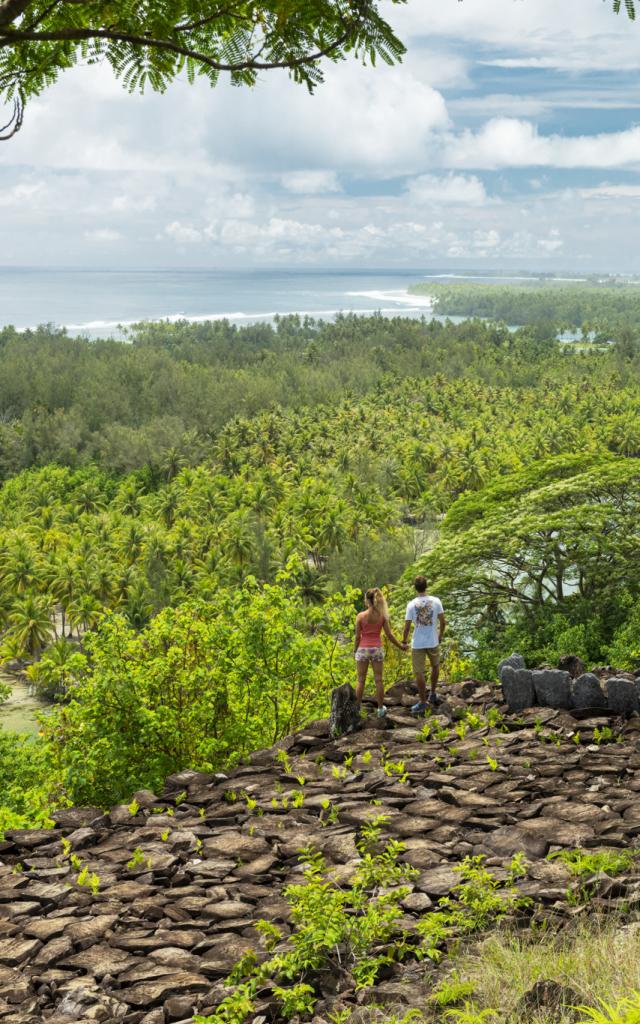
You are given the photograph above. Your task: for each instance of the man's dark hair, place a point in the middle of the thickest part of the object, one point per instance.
(420, 583)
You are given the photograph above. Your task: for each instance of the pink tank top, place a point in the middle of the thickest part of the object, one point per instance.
(370, 633)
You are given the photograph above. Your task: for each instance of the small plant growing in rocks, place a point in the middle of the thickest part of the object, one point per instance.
(451, 991)
(333, 927)
(339, 1016)
(397, 768)
(329, 814)
(299, 999)
(133, 808)
(603, 735)
(89, 880)
(138, 859)
(462, 729)
(583, 864)
(283, 758)
(477, 901)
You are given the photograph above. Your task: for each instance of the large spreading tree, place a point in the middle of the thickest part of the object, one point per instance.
(150, 42)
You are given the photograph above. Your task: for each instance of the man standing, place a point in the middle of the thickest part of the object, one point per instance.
(427, 615)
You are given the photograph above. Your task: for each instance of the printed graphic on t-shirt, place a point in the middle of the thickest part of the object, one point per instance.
(424, 614)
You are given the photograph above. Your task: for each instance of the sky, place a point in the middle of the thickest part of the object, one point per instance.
(509, 137)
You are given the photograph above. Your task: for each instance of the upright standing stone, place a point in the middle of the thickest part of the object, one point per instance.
(586, 692)
(622, 696)
(345, 713)
(552, 688)
(517, 688)
(513, 661)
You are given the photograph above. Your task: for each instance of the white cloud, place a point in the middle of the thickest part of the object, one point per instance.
(552, 244)
(183, 234)
(509, 142)
(452, 188)
(23, 194)
(133, 204)
(103, 235)
(605, 191)
(571, 35)
(311, 182)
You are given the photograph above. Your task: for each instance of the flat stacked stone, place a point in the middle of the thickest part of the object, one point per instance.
(165, 927)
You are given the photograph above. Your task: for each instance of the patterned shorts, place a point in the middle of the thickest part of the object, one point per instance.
(370, 654)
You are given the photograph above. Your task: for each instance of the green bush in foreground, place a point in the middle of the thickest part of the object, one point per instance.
(201, 686)
(25, 799)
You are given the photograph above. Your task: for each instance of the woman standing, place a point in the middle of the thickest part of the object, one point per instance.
(368, 645)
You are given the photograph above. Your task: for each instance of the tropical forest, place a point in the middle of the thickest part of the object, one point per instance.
(189, 521)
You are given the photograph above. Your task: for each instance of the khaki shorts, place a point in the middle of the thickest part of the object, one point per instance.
(419, 657)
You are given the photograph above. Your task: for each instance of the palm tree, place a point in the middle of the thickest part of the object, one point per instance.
(173, 461)
(239, 538)
(31, 625)
(52, 674)
(63, 583)
(84, 612)
(20, 570)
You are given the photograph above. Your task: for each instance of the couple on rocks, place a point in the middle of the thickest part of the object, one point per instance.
(426, 616)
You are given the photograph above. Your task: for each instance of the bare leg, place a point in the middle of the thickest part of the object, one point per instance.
(378, 667)
(435, 674)
(422, 686)
(362, 667)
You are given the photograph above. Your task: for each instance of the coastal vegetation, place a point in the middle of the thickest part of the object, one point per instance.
(600, 310)
(187, 522)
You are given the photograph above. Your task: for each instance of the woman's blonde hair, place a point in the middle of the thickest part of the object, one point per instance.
(377, 600)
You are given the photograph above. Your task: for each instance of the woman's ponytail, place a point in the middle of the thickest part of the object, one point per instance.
(376, 599)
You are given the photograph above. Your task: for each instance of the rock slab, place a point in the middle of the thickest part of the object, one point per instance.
(517, 688)
(552, 688)
(622, 696)
(586, 692)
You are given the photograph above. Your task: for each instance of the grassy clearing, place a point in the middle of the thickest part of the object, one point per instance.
(600, 960)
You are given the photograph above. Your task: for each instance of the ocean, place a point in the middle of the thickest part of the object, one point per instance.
(99, 303)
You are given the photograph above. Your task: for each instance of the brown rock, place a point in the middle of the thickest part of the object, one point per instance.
(437, 881)
(233, 845)
(77, 817)
(28, 838)
(176, 958)
(16, 951)
(87, 932)
(158, 989)
(227, 909)
(512, 839)
(14, 987)
(99, 960)
(179, 1008)
(53, 951)
(145, 942)
(9, 911)
(551, 997)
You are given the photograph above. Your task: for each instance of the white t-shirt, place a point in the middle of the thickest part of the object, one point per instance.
(423, 611)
